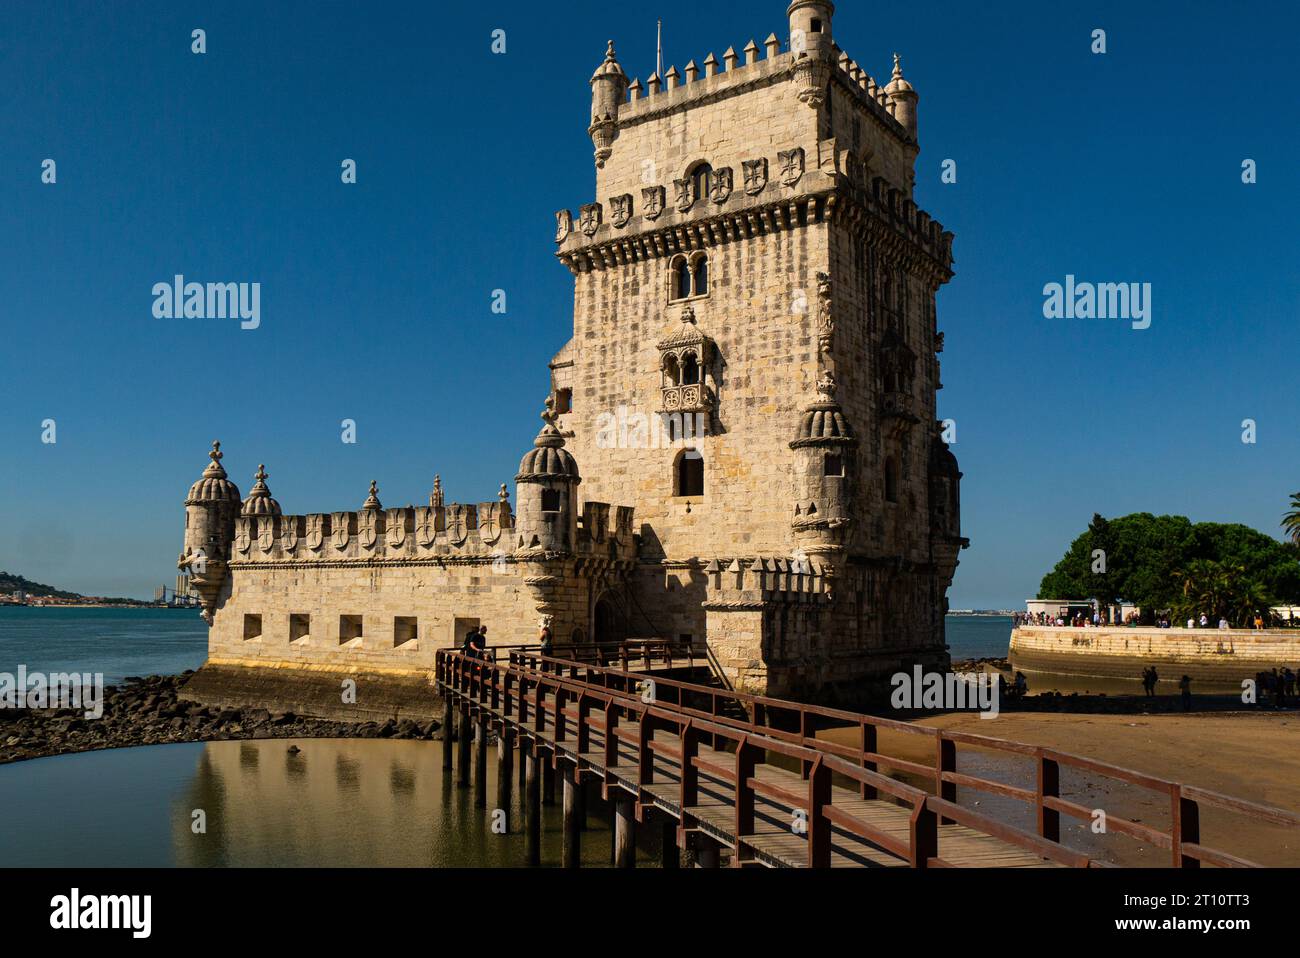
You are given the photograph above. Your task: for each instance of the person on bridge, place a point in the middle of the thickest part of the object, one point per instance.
(480, 641)
(470, 645)
(545, 637)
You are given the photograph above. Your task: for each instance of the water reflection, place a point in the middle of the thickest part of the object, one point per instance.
(332, 802)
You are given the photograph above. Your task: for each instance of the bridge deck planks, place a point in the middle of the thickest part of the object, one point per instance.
(774, 841)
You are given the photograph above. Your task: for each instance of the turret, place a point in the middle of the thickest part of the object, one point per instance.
(902, 98)
(260, 501)
(608, 91)
(810, 26)
(824, 465)
(211, 508)
(547, 492)
(811, 48)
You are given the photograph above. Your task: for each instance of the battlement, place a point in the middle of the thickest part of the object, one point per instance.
(676, 90)
(482, 532)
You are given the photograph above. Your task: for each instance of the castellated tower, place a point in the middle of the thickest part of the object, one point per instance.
(754, 362)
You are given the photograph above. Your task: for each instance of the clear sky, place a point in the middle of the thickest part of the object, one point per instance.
(376, 297)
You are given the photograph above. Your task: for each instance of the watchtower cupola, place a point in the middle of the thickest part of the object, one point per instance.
(547, 497)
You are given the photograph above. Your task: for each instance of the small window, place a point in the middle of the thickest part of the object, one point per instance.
(690, 473)
(563, 401)
(350, 629)
(834, 466)
(816, 26)
(690, 370)
(891, 481)
(252, 627)
(405, 629)
(700, 285)
(550, 500)
(702, 177)
(299, 627)
(682, 279)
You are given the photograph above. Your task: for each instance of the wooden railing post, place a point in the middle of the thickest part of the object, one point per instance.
(1185, 827)
(1049, 786)
(584, 727)
(819, 829)
(868, 745)
(645, 755)
(945, 761)
(807, 732)
(561, 723)
(690, 780)
(611, 734)
(745, 767)
(923, 835)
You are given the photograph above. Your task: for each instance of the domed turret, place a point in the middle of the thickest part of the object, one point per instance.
(213, 485)
(211, 508)
(903, 98)
(548, 481)
(824, 462)
(372, 500)
(259, 501)
(608, 90)
(810, 25)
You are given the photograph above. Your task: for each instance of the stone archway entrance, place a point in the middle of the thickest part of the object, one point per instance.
(608, 624)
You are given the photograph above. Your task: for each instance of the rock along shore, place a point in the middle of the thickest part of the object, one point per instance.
(148, 711)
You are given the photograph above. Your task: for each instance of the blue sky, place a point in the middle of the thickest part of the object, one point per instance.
(1122, 167)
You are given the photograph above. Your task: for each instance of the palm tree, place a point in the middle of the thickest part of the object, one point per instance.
(1291, 521)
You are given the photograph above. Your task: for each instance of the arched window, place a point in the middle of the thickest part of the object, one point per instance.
(700, 285)
(688, 277)
(681, 278)
(702, 179)
(689, 469)
(672, 374)
(891, 480)
(690, 370)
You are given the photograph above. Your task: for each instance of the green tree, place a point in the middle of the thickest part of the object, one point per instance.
(1291, 521)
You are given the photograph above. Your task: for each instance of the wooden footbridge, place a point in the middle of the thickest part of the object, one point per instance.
(769, 782)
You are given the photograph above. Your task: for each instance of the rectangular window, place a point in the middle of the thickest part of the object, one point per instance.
(834, 466)
(405, 630)
(563, 401)
(550, 500)
(349, 629)
(299, 627)
(252, 627)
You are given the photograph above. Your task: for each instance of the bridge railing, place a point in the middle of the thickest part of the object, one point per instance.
(532, 696)
(799, 724)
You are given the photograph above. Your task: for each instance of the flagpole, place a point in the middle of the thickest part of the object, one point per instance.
(659, 52)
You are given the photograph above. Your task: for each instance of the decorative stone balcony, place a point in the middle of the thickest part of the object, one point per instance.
(693, 398)
(898, 411)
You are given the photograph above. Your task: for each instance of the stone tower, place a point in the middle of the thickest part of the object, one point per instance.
(211, 508)
(754, 362)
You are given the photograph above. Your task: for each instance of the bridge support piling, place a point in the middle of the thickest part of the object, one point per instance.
(572, 856)
(709, 853)
(624, 833)
(548, 779)
(532, 810)
(448, 730)
(464, 731)
(669, 853)
(505, 773)
(523, 755)
(480, 765)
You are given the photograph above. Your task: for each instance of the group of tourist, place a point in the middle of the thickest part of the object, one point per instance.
(1081, 620)
(1277, 686)
(1150, 677)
